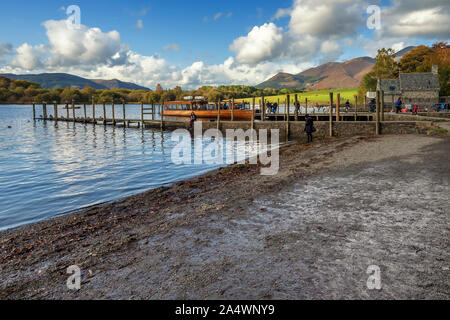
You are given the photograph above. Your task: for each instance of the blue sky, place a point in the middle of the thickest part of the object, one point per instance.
(206, 42)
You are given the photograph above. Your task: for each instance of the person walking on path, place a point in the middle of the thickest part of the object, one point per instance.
(416, 109)
(309, 127)
(193, 119)
(398, 105)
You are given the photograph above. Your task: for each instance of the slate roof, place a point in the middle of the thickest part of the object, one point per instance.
(409, 82)
(389, 86)
(419, 81)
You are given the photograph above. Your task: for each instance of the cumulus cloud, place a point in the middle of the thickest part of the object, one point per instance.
(28, 57)
(326, 19)
(261, 43)
(413, 18)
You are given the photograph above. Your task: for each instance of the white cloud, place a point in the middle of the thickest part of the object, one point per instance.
(5, 49)
(28, 57)
(262, 43)
(140, 24)
(282, 13)
(217, 16)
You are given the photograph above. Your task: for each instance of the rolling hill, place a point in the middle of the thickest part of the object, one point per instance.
(331, 75)
(62, 80)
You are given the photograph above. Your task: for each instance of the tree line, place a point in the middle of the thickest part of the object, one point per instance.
(26, 92)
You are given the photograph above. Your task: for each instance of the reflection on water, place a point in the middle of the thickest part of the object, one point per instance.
(49, 168)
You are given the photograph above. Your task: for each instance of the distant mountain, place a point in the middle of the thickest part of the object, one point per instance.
(62, 80)
(331, 75)
(402, 52)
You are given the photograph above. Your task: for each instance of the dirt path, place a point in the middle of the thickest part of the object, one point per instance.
(309, 232)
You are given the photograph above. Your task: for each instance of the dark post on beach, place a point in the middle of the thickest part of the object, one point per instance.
(253, 113)
(338, 107)
(262, 108)
(331, 114)
(382, 105)
(377, 115)
(356, 107)
(232, 109)
(296, 109)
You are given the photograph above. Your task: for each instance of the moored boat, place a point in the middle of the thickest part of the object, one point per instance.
(208, 110)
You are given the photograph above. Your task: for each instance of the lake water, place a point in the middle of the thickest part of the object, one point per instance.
(48, 169)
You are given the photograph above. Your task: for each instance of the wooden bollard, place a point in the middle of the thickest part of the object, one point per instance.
(218, 116)
(338, 107)
(124, 114)
(162, 116)
(113, 114)
(153, 111)
(85, 112)
(263, 109)
(253, 113)
(142, 114)
(382, 105)
(232, 109)
(288, 105)
(73, 112)
(67, 112)
(93, 112)
(34, 111)
(377, 115)
(331, 114)
(296, 108)
(356, 107)
(44, 110)
(104, 113)
(55, 111)
(306, 106)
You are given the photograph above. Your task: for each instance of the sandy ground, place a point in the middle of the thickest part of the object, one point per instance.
(310, 232)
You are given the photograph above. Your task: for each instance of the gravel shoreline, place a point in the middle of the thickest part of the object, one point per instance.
(310, 232)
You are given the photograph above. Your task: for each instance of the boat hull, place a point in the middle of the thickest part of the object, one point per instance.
(211, 114)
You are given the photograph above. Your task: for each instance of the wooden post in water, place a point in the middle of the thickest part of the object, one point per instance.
(162, 116)
(73, 111)
(382, 105)
(296, 109)
(104, 113)
(153, 111)
(338, 107)
(377, 115)
(34, 111)
(85, 112)
(113, 113)
(93, 112)
(142, 114)
(44, 107)
(124, 113)
(55, 111)
(331, 114)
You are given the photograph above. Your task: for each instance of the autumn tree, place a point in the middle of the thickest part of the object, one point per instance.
(414, 59)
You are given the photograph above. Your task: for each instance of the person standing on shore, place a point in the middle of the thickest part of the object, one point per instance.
(398, 105)
(193, 119)
(309, 127)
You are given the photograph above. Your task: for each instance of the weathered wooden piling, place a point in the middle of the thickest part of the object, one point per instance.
(73, 112)
(162, 115)
(44, 110)
(113, 114)
(296, 108)
(93, 112)
(306, 106)
(331, 114)
(377, 116)
(142, 114)
(104, 113)
(288, 115)
(34, 111)
(338, 107)
(253, 113)
(124, 113)
(263, 109)
(382, 105)
(232, 109)
(85, 112)
(55, 111)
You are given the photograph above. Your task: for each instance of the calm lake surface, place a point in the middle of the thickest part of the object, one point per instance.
(48, 169)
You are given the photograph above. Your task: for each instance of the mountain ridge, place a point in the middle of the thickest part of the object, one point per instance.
(62, 80)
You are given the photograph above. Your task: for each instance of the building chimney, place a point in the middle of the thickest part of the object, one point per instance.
(435, 69)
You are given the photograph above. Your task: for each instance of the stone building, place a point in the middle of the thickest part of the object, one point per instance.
(420, 88)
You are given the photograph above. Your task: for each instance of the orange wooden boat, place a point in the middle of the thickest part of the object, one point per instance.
(205, 110)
